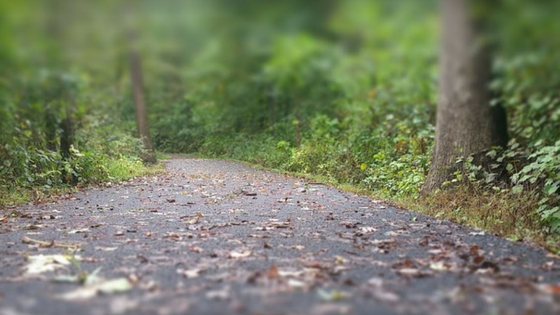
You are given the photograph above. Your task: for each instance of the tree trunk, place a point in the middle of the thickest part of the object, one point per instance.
(51, 126)
(140, 106)
(465, 123)
(67, 136)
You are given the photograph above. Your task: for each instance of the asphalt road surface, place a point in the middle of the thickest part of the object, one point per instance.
(218, 237)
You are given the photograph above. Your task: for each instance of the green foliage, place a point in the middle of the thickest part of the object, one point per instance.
(514, 171)
(541, 177)
(526, 84)
(55, 91)
(345, 89)
(363, 101)
(364, 98)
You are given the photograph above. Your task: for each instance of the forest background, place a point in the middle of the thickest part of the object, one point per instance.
(343, 90)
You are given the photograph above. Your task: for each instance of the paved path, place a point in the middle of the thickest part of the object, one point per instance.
(217, 237)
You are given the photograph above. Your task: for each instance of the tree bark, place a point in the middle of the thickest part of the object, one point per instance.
(142, 124)
(67, 136)
(465, 123)
(51, 127)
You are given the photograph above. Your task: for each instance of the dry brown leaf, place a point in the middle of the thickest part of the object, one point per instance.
(258, 236)
(552, 288)
(312, 264)
(478, 260)
(29, 240)
(272, 273)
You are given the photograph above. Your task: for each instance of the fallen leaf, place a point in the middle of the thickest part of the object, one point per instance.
(486, 267)
(333, 295)
(368, 229)
(478, 260)
(287, 273)
(338, 268)
(338, 260)
(239, 254)
(392, 233)
(29, 240)
(296, 283)
(222, 294)
(92, 278)
(258, 236)
(106, 249)
(474, 250)
(551, 288)
(440, 265)
(82, 277)
(101, 286)
(481, 233)
(272, 273)
(192, 273)
(44, 263)
(312, 264)
(510, 259)
(173, 236)
(547, 266)
(78, 231)
(279, 225)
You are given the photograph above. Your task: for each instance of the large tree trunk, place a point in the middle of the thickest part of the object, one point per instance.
(140, 105)
(465, 124)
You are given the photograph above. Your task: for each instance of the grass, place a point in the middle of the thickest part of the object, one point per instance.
(162, 156)
(505, 214)
(117, 169)
(123, 169)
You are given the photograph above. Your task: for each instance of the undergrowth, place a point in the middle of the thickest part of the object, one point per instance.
(110, 170)
(506, 198)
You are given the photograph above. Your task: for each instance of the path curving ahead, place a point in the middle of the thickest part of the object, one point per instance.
(217, 237)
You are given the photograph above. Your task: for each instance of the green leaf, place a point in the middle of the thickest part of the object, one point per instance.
(551, 189)
(517, 189)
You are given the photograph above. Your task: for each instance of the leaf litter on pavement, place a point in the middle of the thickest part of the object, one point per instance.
(215, 235)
